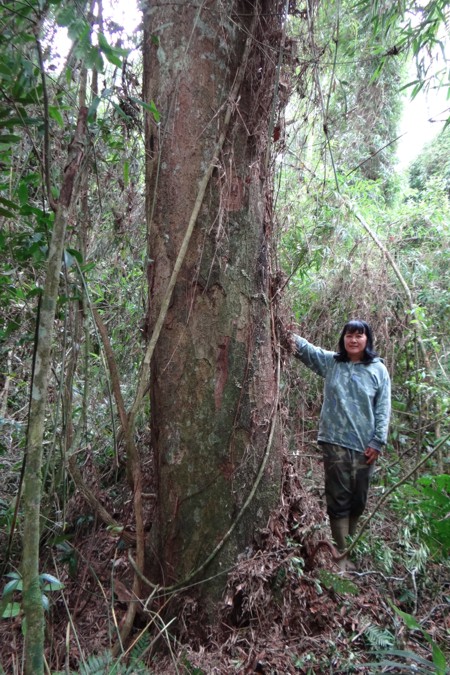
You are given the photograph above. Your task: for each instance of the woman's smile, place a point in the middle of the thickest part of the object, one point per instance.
(355, 344)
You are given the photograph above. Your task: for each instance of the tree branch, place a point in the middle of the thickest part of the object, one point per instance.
(111, 361)
(46, 129)
(95, 505)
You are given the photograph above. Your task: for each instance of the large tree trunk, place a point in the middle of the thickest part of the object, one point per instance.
(214, 371)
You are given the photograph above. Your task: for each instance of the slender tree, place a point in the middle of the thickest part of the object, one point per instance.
(34, 639)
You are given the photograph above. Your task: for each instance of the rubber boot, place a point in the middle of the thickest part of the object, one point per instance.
(339, 530)
(352, 525)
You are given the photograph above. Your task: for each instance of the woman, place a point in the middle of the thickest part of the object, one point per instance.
(353, 422)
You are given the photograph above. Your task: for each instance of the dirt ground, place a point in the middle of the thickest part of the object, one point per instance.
(286, 609)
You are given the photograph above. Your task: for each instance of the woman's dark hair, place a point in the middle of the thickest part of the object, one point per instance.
(356, 326)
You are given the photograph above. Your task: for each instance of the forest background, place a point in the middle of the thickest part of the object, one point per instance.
(343, 232)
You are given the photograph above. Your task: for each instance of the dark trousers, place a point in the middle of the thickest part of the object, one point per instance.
(347, 479)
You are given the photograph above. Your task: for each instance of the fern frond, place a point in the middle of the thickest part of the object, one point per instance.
(97, 664)
(379, 637)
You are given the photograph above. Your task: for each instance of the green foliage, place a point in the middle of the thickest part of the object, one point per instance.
(357, 101)
(334, 270)
(80, 31)
(432, 162)
(105, 664)
(6, 515)
(189, 669)
(24, 239)
(11, 608)
(405, 661)
(377, 550)
(67, 555)
(379, 638)
(36, 108)
(438, 656)
(426, 505)
(419, 31)
(337, 583)
(296, 566)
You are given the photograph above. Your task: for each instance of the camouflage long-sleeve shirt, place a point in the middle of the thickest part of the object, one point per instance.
(357, 398)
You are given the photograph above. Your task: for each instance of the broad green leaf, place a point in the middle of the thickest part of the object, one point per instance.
(13, 585)
(119, 111)
(22, 192)
(410, 621)
(6, 214)
(113, 54)
(76, 254)
(439, 659)
(7, 139)
(93, 108)
(116, 529)
(150, 107)
(8, 203)
(66, 15)
(69, 259)
(55, 113)
(79, 31)
(51, 582)
(94, 59)
(11, 610)
(88, 267)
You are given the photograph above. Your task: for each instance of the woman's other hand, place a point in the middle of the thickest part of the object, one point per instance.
(371, 454)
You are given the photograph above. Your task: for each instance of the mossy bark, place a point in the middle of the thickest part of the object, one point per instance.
(213, 373)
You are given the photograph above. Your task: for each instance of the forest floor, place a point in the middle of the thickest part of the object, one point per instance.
(286, 608)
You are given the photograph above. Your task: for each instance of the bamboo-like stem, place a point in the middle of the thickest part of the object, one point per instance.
(46, 126)
(112, 367)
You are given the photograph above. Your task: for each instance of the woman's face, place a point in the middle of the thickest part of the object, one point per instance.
(355, 344)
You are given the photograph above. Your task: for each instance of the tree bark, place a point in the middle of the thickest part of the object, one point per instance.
(210, 68)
